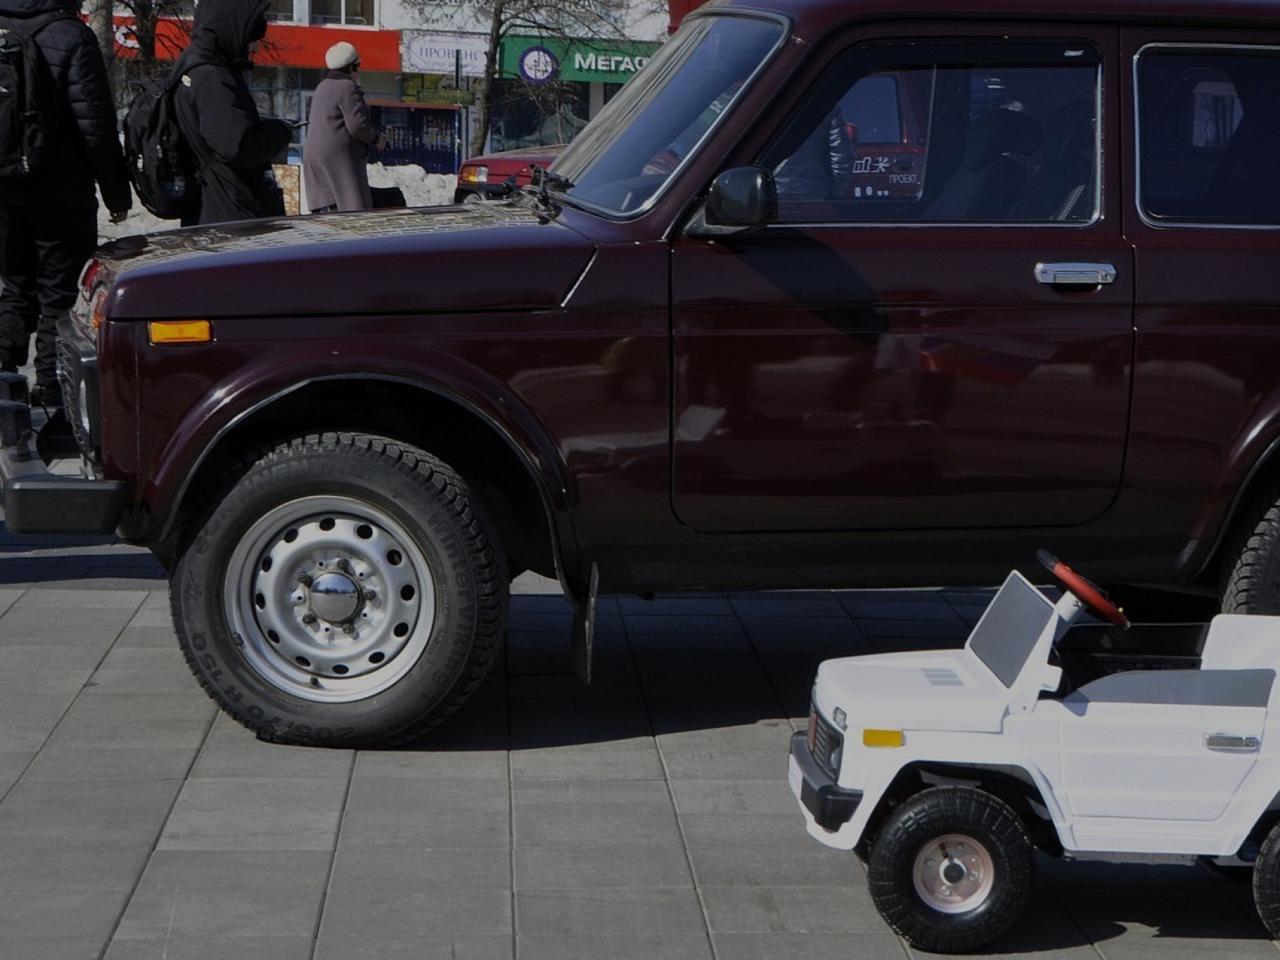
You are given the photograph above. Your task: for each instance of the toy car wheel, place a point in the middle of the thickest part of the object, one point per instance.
(344, 591)
(951, 869)
(1266, 883)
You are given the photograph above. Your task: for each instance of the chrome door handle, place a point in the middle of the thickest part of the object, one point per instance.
(1076, 274)
(1231, 741)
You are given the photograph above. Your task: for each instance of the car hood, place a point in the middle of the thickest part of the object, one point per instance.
(927, 690)
(430, 260)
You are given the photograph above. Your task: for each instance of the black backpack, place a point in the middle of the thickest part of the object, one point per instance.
(27, 103)
(160, 164)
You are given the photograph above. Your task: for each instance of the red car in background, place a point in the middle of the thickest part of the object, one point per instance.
(482, 178)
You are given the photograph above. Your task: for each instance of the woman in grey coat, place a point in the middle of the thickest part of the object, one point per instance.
(339, 138)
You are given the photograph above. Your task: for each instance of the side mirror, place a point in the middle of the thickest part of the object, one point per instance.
(741, 199)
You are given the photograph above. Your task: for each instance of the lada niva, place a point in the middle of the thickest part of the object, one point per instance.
(708, 351)
(946, 769)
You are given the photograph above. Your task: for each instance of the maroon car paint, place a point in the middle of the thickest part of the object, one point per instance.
(1137, 411)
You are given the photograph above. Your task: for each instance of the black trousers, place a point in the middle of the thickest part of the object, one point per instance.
(42, 251)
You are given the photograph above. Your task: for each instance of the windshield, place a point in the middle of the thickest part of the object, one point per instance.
(627, 154)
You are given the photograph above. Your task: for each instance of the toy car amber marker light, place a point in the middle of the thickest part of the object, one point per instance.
(947, 769)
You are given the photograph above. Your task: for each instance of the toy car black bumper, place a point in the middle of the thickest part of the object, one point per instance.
(832, 806)
(35, 500)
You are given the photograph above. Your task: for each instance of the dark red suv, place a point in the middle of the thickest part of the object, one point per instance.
(831, 293)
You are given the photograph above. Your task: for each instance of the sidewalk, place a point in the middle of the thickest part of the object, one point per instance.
(646, 816)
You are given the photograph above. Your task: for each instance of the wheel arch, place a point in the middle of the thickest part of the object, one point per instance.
(520, 479)
(1015, 785)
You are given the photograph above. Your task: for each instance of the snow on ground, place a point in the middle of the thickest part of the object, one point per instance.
(421, 189)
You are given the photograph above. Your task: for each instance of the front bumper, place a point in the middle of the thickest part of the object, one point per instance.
(830, 805)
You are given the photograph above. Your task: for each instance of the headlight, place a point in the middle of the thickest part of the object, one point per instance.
(475, 174)
(482, 174)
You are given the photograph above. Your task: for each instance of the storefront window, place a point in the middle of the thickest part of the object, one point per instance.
(356, 12)
(280, 11)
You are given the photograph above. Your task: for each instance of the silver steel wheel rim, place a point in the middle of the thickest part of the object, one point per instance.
(329, 599)
(953, 874)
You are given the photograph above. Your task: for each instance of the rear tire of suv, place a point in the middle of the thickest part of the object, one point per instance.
(1252, 583)
(951, 869)
(345, 591)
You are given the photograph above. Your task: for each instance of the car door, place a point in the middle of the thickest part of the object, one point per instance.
(1162, 745)
(937, 332)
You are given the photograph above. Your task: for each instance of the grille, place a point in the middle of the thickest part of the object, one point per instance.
(825, 742)
(942, 677)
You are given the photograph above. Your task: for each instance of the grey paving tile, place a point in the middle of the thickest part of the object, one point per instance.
(434, 946)
(581, 813)
(12, 763)
(68, 761)
(733, 797)
(605, 865)
(774, 864)
(62, 897)
(912, 606)
(806, 635)
(577, 739)
(211, 948)
(1044, 932)
(608, 913)
(61, 600)
(49, 666)
(699, 605)
(85, 816)
(149, 720)
(698, 664)
(28, 718)
(809, 946)
(399, 909)
(787, 604)
(256, 813)
(431, 764)
(25, 625)
(650, 946)
(357, 866)
(49, 946)
(610, 685)
(198, 894)
(916, 629)
(1186, 949)
(105, 580)
(155, 670)
(711, 689)
(147, 635)
(463, 813)
(1159, 916)
(232, 751)
(751, 752)
(790, 909)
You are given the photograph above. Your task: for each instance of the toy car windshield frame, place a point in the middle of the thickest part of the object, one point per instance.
(1006, 636)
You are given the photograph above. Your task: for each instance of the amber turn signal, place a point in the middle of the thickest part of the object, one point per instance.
(179, 331)
(883, 738)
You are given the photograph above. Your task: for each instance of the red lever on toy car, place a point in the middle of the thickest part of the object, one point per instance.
(1086, 591)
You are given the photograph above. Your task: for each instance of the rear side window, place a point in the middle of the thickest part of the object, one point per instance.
(946, 133)
(1209, 135)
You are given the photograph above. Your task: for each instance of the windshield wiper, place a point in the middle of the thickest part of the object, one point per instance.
(542, 179)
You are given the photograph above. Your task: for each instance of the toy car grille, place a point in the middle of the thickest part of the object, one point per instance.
(825, 742)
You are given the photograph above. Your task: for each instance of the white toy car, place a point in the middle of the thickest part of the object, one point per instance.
(947, 769)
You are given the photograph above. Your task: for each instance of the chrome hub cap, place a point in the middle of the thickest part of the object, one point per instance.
(329, 599)
(335, 597)
(953, 874)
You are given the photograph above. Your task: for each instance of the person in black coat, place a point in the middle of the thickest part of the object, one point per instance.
(232, 145)
(48, 221)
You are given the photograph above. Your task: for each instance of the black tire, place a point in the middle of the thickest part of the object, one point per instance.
(1252, 582)
(1266, 883)
(919, 823)
(442, 658)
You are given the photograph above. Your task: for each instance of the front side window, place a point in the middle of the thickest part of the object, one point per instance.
(354, 12)
(960, 133)
(1209, 136)
(632, 149)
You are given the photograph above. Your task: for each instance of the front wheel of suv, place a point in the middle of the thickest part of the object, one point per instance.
(345, 591)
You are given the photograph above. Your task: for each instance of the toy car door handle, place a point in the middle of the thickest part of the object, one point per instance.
(1231, 741)
(1076, 274)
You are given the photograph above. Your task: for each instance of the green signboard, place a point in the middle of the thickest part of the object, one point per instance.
(543, 59)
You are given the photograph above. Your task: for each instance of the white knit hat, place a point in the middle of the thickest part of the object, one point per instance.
(341, 54)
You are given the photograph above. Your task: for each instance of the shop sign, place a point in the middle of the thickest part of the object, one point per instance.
(423, 51)
(540, 60)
